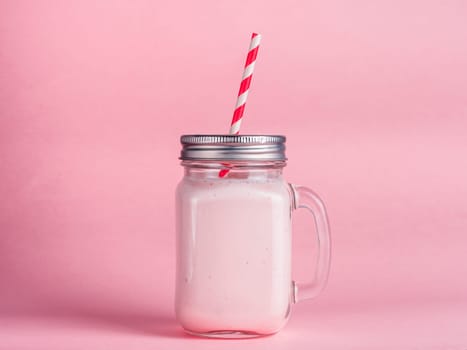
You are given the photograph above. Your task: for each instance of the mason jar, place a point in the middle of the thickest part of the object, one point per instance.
(234, 236)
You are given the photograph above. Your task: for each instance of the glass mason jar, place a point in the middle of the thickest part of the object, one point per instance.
(234, 242)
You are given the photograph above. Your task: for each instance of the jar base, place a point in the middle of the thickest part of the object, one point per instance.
(227, 334)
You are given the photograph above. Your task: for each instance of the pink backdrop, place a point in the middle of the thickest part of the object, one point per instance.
(94, 95)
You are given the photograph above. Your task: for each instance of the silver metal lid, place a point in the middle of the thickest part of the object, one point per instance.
(233, 147)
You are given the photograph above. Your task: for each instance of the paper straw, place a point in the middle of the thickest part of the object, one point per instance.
(244, 89)
(245, 84)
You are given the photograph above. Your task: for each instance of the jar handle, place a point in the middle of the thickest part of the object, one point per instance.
(303, 197)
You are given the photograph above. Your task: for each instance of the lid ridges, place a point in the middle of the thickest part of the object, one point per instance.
(233, 147)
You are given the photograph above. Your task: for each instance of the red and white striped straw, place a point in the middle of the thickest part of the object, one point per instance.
(245, 84)
(243, 91)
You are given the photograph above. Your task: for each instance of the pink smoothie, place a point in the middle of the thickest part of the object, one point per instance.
(234, 254)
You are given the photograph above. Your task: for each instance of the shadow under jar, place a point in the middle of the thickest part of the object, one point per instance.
(234, 239)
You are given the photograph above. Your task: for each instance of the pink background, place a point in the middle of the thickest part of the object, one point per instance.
(94, 95)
